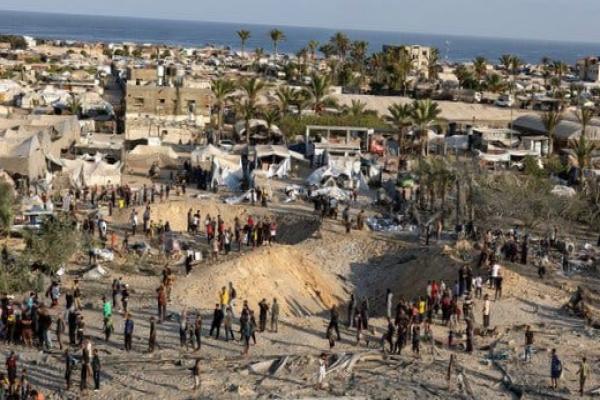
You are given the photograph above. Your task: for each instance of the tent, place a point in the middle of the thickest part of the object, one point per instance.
(24, 157)
(83, 172)
(141, 158)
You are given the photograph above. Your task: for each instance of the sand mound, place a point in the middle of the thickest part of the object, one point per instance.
(281, 271)
(292, 229)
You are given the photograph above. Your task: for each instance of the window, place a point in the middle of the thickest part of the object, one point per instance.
(191, 106)
(138, 102)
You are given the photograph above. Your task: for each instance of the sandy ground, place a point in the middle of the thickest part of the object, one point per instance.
(321, 268)
(451, 110)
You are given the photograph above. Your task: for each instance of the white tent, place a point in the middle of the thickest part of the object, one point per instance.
(90, 173)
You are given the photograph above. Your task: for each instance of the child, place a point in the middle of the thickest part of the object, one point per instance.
(416, 339)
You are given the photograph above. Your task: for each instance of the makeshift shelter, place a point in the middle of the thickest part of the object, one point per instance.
(25, 158)
(274, 160)
(142, 157)
(93, 172)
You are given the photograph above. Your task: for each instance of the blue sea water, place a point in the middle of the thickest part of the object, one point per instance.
(196, 33)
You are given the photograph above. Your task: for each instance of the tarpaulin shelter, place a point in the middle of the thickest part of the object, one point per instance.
(142, 157)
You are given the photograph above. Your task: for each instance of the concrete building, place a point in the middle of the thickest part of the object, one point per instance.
(419, 56)
(588, 69)
(165, 106)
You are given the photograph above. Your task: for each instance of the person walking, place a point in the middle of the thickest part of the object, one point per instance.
(196, 374)
(274, 316)
(528, 343)
(161, 298)
(152, 335)
(96, 370)
(555, 369)
(351, 308)
(334, 321)
(218, 317)
(128, 331)
(198, 331)
(69, 365)
(228, 324)
(583, 373)
(486, 311)
(262, 314)
(388, 303)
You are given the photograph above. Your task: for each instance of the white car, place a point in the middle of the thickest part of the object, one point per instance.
(226, 144)
(505, 101)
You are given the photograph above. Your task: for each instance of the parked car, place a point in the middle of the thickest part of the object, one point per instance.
(505, 100)
(226, 144)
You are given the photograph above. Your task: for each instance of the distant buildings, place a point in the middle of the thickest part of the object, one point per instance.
(162, 103)
(419, 56)
(588, 69)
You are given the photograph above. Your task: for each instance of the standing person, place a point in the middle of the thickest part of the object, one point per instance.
(274, 316)
(218, 317)
(247, 333)
(60, 329)
(555, 369)
(232, 298)
(486, 312)
(85, 365)
(528, 343)
(116, 288)
(351, 308)
(161, 298)
(262, 314)
(499, 279)
(152, 335)
(228, 324)
(322, 371)
(478, 283)
(108, 328)
(416, 339)
(388, 303)
(198, 331)
(583, 372)
(124, 297)
(330, 335)
(69, 365)
(96, 370)
(334, 321)
(11, 368)
(133, 219)
(224, 298)
(196, 374)
(128, 331)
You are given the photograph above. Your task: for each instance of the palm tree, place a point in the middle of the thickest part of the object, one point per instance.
(252, 88)
(246, 110)
(583, 150)
(584, 116)
(515, 63)
(551, 119)
(495, 83)
(506, 61)
(356, 108)
(400, 118)
(480, 66)
(560, 69)
(221, 90)
(433, 64)
(244, 35)
(276, 36)
(271, 116)
(424, 114)
(313, 45)
(341, 42)
(318, 91)
(285, 97)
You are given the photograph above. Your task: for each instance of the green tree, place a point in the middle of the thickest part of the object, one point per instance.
(495, 83)
(252, 87)
(74, 105)
(584, 116)
(271, 116)
(244, 35)
(341, 43)
(433, 64)
(424, 115)
(221, 90)
(318, 91)
(400, 118)
(7, 203)
(277, 37)
(247, 111)
(54, 244)
(551, 119)
(480, 67)
(312, 46)
(356, 108)
(583, 149)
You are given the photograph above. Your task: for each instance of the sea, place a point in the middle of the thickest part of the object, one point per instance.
(196, 34)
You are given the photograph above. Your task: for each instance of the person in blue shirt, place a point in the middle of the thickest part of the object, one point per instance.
(555, 369)
(129, 325)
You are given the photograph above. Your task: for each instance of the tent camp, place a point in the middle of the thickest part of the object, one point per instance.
(25, 158)
(273, 160)
(142, 157)
(82, 172)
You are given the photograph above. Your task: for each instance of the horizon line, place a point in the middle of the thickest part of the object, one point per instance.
(484, 37)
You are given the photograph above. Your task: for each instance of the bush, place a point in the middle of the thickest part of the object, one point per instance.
(16, 42)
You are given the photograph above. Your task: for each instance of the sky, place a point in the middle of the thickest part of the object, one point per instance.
(569, 20)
